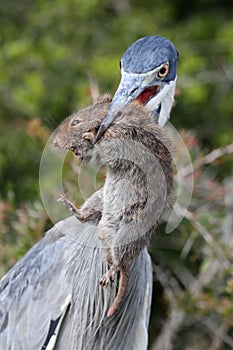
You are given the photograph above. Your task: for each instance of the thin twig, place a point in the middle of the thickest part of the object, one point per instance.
(218, 337)
(204, 233)
(176, 315)
(207, 159)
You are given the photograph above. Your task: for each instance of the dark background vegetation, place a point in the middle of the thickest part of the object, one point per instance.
(55, 55)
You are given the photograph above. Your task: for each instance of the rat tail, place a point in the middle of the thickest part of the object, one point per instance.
(123, 287)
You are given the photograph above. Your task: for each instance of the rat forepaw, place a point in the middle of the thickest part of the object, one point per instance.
(72, 208)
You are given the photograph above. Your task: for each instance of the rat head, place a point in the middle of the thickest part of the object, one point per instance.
(77, 132)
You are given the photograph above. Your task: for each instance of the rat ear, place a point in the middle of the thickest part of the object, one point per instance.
(103, 99)
(88, 135)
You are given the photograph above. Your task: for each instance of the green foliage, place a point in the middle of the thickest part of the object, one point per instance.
(19, 230)
(50, 49)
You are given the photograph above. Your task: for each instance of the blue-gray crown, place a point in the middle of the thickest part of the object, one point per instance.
(148, 53)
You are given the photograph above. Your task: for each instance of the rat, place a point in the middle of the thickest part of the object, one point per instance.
(138, 184)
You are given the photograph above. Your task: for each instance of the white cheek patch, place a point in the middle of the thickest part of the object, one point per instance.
(166, 98)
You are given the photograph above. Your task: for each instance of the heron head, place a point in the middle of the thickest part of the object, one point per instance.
(148, 76)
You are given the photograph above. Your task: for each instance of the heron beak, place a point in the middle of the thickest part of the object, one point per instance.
(143, 88)
(129, 88)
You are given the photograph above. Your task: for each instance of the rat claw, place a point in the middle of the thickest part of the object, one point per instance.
(104, 281)
(107, 278)
(71, 207)
(61, 198)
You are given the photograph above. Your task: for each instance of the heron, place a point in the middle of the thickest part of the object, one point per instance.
(51, 298)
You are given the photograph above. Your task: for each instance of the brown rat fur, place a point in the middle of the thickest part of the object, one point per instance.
(138, 182)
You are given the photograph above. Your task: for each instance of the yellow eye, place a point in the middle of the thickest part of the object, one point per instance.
(163, 71)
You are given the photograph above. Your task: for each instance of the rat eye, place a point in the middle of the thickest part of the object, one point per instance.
(163, 71)
(75, 122)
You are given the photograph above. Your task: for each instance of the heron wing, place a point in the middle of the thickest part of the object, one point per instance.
(34, 293)
(67, 264)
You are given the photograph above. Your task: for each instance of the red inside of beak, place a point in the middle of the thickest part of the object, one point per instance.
(146, 94)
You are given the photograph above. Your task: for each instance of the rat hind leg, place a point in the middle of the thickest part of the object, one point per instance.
(109, 276)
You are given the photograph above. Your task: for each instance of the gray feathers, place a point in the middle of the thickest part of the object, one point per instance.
(148, 53)
(68, 261)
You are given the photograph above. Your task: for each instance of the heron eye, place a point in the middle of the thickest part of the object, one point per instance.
(75, 122)
(163, 71)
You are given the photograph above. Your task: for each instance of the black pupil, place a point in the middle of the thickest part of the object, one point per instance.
(162, 71)
(75, 122)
